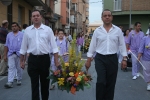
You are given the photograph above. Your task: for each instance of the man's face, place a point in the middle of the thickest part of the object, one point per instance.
(61, 34)
(14, 27)
(36, 17)
(107, 17)
(138, 27)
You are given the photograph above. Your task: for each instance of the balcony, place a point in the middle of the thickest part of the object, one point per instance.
(72, 10)
(74, 1)
(36, 2)
(87, 13)
(41, 8)
(73, 25)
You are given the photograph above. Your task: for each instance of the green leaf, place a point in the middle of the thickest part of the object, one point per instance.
(51, 71)
(81, 87)
(50, 77)
(68, 87)
(53, 81)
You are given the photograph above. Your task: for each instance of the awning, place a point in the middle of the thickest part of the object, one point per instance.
(35, 2)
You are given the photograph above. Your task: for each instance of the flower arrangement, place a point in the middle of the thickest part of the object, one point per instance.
(70, 76)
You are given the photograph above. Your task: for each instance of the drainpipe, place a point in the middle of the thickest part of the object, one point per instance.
(130, 13)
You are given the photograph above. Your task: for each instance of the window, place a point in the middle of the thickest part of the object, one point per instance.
(117, 5)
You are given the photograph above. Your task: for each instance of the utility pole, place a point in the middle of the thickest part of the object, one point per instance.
(130, 13)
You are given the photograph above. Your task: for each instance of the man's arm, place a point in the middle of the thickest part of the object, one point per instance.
(91, 51)
(54, 47)
(56, 59)
(23, 50)
(5, 53)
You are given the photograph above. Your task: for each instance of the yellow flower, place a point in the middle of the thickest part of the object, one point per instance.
(66, 64)
(61, 81)
(147, 47)
(78, 79)
(71, 74)
(76, 64)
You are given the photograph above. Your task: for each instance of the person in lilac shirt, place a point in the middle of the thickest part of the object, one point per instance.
(12, 48)
(126, 35)
(63, 47)
(144, 52)
(80, 41)
(133, 42)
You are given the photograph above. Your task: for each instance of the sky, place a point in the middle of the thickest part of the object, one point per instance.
(95, 10)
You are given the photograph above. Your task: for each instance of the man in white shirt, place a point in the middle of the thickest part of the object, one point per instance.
(36, 41)
(105, 41)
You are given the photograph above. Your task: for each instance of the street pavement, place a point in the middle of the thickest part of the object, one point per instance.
(126, 89)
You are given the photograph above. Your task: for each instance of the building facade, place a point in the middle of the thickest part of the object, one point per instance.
(62, 9)
(19, 11)
(128, 12)
(73, 14)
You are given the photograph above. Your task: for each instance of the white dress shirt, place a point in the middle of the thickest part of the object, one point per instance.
(38, 41)
(106, 43)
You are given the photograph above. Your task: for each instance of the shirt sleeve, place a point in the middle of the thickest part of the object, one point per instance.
(54, 47)
(122, 46)
(142, 45)
(92, 46)
(24, 44)
(7, 42)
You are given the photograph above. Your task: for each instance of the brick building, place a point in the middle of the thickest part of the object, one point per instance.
(140, 11)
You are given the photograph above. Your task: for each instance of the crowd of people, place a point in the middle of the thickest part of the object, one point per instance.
(138, 46)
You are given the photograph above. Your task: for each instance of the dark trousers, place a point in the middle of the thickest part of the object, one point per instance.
(106, 67)
(38, 70)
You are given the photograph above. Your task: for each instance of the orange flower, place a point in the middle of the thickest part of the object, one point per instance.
(81, 73)
(85, 78)
(76, 75)
(56, 72)
(73, 90)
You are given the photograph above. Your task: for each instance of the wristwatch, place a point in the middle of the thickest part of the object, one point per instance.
(125, 59)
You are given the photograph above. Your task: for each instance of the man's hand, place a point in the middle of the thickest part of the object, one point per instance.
(56, 60)
(124, 64)
(57, 63)
(5, 58)
(22, 64)
(88, 63)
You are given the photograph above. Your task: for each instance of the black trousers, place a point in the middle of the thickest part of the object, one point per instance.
(38, 70)
(106, 67)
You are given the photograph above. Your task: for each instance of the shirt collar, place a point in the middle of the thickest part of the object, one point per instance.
(102, 27)
(41, 27)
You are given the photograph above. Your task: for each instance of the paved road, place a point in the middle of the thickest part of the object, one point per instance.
(126, 89)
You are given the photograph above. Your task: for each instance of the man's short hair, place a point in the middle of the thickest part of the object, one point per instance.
(4, 22)
(37, 11)
(15, 23)
(136, 23)
(106, 10)
(60, 30)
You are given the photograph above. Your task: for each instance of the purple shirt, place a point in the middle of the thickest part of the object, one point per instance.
(13, 42)
(125, 39)
(80, 40)
(145, 48)
(134, 40)
(63, 46)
